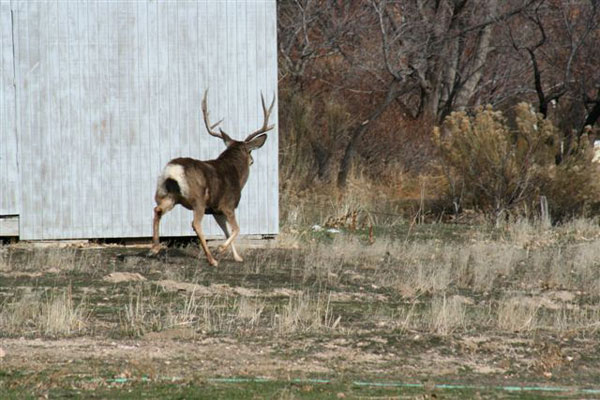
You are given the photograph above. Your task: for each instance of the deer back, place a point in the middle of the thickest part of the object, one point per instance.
(215, 183)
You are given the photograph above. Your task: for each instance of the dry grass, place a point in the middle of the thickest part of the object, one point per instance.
(51, 313)
(306, 313)
(518, 314)
(325, 204)
(534, 234)
(5, 262)
(184, 315)
(505, 278)
(61, 316)
(520, 257)
(139, 315)
(446, 315)
(250, 310)
(52, 259)
(433, 267)
(569, 320)
(406, 319)
(146, 311)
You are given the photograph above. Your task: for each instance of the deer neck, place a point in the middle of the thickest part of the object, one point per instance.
(236, 158)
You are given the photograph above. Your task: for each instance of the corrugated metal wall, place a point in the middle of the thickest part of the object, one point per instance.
(9, 174)
(109, 91)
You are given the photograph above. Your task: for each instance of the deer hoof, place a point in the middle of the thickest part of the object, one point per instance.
(238, 259)
(154, 250)
(213, 262)
(221, 248)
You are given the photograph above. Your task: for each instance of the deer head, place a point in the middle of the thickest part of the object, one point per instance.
(253, 141)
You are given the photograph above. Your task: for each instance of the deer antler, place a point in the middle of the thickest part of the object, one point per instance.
(210, 127)
(267, 114)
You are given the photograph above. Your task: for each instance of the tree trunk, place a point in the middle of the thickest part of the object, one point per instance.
(467, 91)
(323, 158)
(592, 117)
(357, 133)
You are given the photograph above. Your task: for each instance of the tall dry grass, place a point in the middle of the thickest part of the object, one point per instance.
(446, 315)
(522, 277)
(306, 313)
(47, 313)
(522, 258)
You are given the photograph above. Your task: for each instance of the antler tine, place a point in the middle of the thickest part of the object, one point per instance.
(266, 113)
(210, 127)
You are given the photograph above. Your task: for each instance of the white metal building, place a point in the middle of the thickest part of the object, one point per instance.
(97, 95)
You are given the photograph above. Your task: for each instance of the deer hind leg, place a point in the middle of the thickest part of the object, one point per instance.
(196, 224)
(164, 205)
(222, 221)
(235, 230)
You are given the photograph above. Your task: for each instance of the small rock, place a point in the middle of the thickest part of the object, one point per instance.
(2, 352)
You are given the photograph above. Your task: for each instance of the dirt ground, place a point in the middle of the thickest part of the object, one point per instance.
(174, 318)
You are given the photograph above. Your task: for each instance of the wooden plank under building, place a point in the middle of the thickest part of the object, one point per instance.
(9, 226)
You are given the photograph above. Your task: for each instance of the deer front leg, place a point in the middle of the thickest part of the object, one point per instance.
(222, 221)
(196, 224)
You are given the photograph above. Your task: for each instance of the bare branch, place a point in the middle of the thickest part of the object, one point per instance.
(592, 25)
(380, 10)
(494, 20)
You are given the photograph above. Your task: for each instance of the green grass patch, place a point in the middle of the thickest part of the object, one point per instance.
(241, 389)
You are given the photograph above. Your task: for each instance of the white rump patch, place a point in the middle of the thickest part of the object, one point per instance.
(177, 173)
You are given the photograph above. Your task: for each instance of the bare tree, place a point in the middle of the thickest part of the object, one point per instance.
(425, 58)
(560, 40)
(311, 30)
(431, 60)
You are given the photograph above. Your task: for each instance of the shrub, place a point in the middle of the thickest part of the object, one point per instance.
(573, 186)
(502, 168)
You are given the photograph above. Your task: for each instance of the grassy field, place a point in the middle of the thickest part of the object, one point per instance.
(385, 311)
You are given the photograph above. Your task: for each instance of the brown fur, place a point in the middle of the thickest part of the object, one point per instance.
(219, 182)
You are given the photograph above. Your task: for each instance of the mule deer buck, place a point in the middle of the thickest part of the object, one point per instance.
(210, 187)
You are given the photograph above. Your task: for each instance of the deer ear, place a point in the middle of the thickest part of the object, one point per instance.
(226, 138)
(256, 142)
